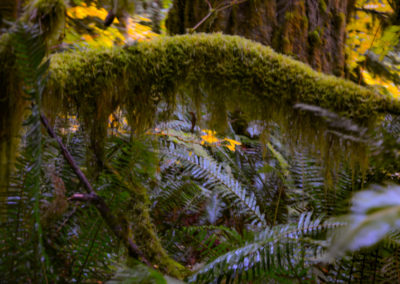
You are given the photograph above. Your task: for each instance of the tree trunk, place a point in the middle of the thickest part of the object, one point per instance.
(313, 31)
(9, 10)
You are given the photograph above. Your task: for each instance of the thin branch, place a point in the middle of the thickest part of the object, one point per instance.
(202, 20)
(209, 4)
(214, 10)
(236, 2)
(96, 200)
(373, 12)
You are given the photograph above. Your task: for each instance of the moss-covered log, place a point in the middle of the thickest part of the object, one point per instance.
(234, 71)
(312, 31)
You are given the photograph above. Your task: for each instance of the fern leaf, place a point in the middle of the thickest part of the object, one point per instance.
(218, 179)
(280, 248)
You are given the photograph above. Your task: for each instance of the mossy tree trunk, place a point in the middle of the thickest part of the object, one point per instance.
(312, 31)
(12, 103)
(8, 11)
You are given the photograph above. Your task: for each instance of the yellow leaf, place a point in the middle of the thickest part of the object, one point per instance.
(232, 144)
(209, 137)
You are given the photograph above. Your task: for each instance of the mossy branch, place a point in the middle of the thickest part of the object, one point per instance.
(219, 71)
(145, 232)
(230, 71)
(96, 200)
(164, 64)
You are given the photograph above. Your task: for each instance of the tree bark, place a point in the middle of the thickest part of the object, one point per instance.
(313, 31)
(8, 12)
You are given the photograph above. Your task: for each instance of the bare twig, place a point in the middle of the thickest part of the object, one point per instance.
(235, 2)
(373, 12)
(96, 200)
(202, 20)
(209, 4)
(218, 8)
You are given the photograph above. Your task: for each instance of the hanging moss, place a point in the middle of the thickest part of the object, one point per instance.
(49, 15)
(230, 72)
(150, 71)
(223, 72)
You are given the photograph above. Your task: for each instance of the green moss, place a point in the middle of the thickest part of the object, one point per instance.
(49, 15)
(144, 234)
(339, 19)
(153, 70)
(314, 39)
(229, 70)
(289, 16)
(12, 108)
(295, 27)
(322, 5)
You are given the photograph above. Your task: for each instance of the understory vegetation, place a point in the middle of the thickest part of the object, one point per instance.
(203, 158)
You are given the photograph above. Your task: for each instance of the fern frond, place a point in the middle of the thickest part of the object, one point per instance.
(391, 267)
(209, 241)
(182, 194)
(392, 239)
(282, 248)
(30, 53)
(217, 179)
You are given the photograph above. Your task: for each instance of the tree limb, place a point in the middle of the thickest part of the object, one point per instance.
(212, 10)
(96, 200)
